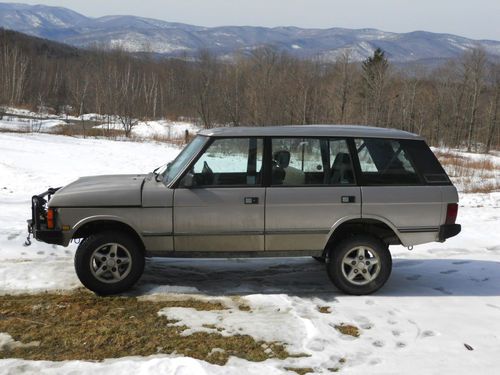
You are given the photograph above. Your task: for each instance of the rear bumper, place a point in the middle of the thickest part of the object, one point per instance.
(448, 230)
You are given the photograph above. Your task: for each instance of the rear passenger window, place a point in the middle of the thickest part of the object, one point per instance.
(311, 161)
(427, 163)
(385, 162)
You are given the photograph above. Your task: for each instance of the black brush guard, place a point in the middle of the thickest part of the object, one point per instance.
(37, 225)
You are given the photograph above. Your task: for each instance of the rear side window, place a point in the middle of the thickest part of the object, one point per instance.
(386, 162)
(427, 163)
(311, 161)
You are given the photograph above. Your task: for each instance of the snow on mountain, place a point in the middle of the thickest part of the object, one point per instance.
(138, 34)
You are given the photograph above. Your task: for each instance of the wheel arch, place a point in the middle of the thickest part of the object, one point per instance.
(375, 226)
(97, 224)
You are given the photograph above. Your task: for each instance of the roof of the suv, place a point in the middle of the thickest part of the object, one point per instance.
(310, 131)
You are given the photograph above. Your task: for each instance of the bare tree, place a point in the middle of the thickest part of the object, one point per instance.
(474, 64)
(494, 107)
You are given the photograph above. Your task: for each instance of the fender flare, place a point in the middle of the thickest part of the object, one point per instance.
(110, 218)
(346, 219)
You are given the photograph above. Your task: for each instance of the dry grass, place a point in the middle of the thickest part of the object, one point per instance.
(471, 175)
(324, 309)
(348, 329)
(77, 130)
(82, 326)
(244, 307)
(300, 370)
(20, 131)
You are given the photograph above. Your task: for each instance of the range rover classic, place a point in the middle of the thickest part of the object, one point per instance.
(341, 194)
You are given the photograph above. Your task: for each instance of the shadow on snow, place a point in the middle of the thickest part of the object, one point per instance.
(307, 278)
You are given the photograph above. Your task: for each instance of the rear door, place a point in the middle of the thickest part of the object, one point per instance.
(312, 187)
(394, 189)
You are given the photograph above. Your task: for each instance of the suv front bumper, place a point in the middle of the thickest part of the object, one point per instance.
(54, 237)
(448, 230)
(37, 225)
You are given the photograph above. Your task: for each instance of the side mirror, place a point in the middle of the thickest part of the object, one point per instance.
(188, 180)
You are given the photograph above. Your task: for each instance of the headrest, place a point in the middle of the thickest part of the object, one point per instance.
(282, 157)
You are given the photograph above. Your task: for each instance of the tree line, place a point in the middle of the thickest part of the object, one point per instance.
(455, 104)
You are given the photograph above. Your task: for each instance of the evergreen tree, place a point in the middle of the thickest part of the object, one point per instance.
(374, 78)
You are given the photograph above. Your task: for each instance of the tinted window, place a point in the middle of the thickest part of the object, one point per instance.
(385, 161)
(427, 163)
(230, 161)
(311, 161)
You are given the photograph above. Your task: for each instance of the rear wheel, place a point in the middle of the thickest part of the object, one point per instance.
(360, 265)
(109, 262)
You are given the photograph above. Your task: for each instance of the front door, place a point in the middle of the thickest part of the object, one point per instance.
(222, 209)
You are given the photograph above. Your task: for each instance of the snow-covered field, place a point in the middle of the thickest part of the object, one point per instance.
(20, 120)
(439, 297)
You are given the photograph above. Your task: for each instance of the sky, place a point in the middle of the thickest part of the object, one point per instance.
(477, 19)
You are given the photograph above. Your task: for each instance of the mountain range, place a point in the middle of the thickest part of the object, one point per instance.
(137, 34)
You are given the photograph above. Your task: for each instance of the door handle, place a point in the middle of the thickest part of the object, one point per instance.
(251, 200)
(348, 199)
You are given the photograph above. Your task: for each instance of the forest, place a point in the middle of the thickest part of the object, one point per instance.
(454, 103)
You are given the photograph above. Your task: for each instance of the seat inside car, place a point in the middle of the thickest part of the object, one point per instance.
(341, 171)
(281, 160)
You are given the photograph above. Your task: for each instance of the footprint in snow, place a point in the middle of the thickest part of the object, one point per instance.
(413, 277)
(400, 345)
(493, 248)
(378, 343)
(12, 236)
(448, 272)
(443, 290)
(396, 333)
(479, 280)
(428, 333)
(493, 306)
(406, 263)
(461, 262)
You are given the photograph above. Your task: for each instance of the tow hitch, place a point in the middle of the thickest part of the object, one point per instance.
(28, 241)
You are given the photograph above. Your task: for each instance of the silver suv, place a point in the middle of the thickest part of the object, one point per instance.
(341, 194)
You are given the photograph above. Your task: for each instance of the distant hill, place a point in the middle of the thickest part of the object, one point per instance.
(37, 46)
(137, 34)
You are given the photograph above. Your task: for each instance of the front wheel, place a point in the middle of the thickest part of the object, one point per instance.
(109, 262)
(360, 265)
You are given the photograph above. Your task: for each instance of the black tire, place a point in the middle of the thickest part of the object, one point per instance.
(320, 259)
(367, 278)
(127, 272)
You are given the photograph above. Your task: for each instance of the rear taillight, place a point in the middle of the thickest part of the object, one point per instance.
(50, 218)
(451, 213)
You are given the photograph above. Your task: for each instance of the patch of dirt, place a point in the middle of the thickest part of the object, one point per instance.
(348, 329)
(83, 326)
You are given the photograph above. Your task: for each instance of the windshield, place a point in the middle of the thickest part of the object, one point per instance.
(184, 157)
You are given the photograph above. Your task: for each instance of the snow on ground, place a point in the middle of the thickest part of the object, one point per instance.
(164, 128)
(29, 124)
(26, 121)
(439, 296)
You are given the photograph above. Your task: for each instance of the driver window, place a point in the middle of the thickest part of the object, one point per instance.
(230, 162)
